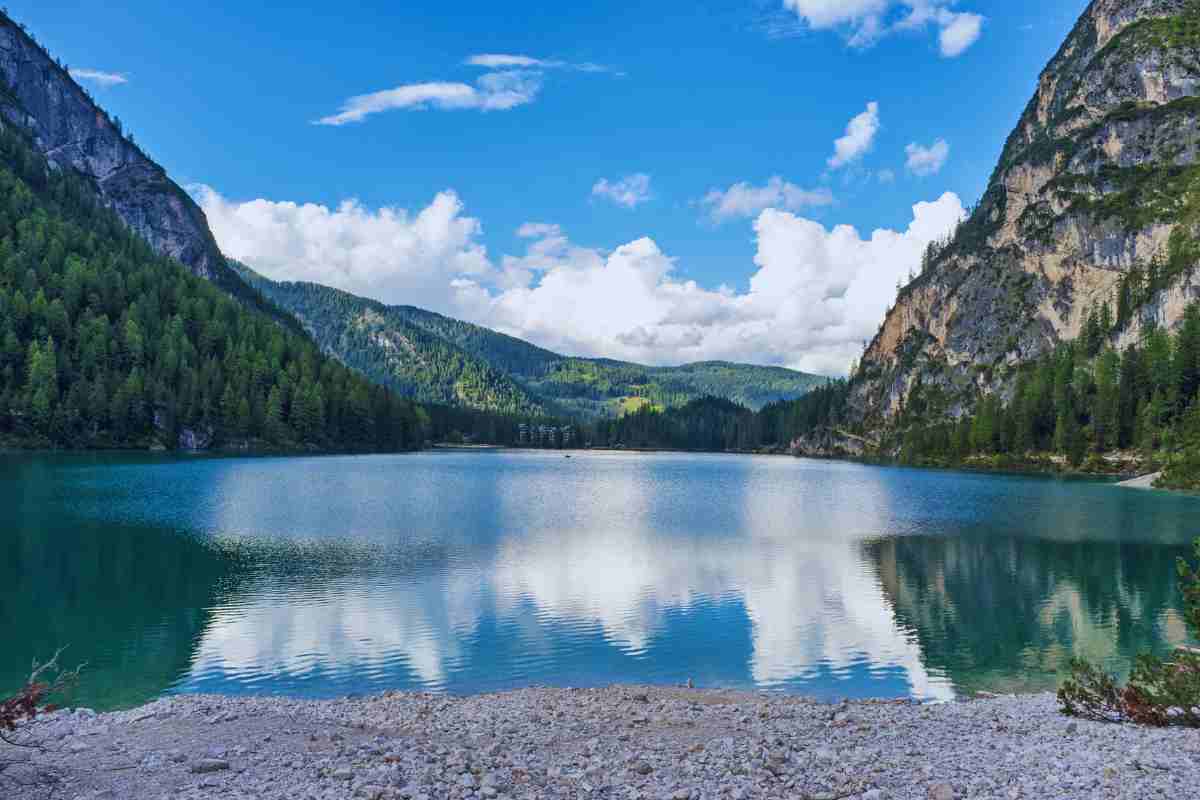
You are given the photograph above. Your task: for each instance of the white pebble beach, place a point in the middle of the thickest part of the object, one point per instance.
(621, 742)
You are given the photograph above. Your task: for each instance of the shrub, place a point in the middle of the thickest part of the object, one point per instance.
(1159, 692)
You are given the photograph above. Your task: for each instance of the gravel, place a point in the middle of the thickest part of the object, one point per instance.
(631, 743)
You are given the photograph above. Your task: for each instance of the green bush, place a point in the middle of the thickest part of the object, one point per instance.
(1159, 692)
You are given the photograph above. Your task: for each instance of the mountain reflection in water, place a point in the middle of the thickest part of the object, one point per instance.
(470, 572)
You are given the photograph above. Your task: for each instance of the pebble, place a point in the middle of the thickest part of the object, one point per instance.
(941, 791)
(541, 744)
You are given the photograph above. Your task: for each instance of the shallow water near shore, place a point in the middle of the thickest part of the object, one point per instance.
(471, 572)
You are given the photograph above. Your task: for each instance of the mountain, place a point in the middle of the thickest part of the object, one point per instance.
(434, 358)
(383, 343)
(1091, 218)
(40, 98)
(117, 325)
(106, 343)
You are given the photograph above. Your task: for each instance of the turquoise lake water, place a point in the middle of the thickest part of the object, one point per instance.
(481, 571)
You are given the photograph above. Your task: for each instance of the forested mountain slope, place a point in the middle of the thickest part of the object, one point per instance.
(380, 342)
(1093, 212)
(432, 357)
(106, 343)
(39, 97)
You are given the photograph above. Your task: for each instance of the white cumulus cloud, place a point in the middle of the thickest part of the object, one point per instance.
(958, 33)
(99, 77)
(389, 254)
(924, 161)
(859, 137)
(816, 295)
(629, 192)
(745, 200)
(865, 22)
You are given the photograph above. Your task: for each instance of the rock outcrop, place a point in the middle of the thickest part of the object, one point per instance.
(38, 96)
(832, 443)
(1100, 178)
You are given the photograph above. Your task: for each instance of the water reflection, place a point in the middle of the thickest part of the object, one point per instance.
(479, 572)
(1007, 612)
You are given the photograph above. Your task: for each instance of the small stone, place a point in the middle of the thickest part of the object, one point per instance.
(206, 765)
(342, 774)
(1072, 727)
(467, 781)
(642, 768)
(77, 747)
(941, 791)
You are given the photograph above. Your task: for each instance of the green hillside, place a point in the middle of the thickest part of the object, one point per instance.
(381, 343)
(104, 343)
(434, 358)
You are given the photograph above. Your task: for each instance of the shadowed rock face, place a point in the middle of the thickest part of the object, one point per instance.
(39, 96)
(1101, 175)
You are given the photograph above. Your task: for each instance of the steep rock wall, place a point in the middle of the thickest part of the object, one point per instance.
(1101, 174)
(40, 97)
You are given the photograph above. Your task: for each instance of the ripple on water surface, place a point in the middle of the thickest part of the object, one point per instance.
(468, 572)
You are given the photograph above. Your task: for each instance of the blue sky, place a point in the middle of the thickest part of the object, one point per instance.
(598, 137)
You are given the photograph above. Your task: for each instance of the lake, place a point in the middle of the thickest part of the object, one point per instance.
(470, 572)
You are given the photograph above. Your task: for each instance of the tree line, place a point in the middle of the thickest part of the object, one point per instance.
(717, 424)
(1078, 402)
(1081, 400)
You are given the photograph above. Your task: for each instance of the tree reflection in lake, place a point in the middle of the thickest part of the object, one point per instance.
(471, 572)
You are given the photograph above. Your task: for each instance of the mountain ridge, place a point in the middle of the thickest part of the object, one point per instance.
(525, 377)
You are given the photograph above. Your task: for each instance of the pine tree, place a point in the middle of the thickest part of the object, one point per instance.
(230, 408)
(43, 384)
(1150, 420)
(244, 425)
(274, 426)
(1129, 394)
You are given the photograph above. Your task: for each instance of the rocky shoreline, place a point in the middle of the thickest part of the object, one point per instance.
(650, 743)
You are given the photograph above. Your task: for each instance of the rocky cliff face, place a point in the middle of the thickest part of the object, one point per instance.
(40, 97)
(1100, 178)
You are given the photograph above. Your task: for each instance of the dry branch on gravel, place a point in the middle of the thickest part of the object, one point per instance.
(19, 745)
